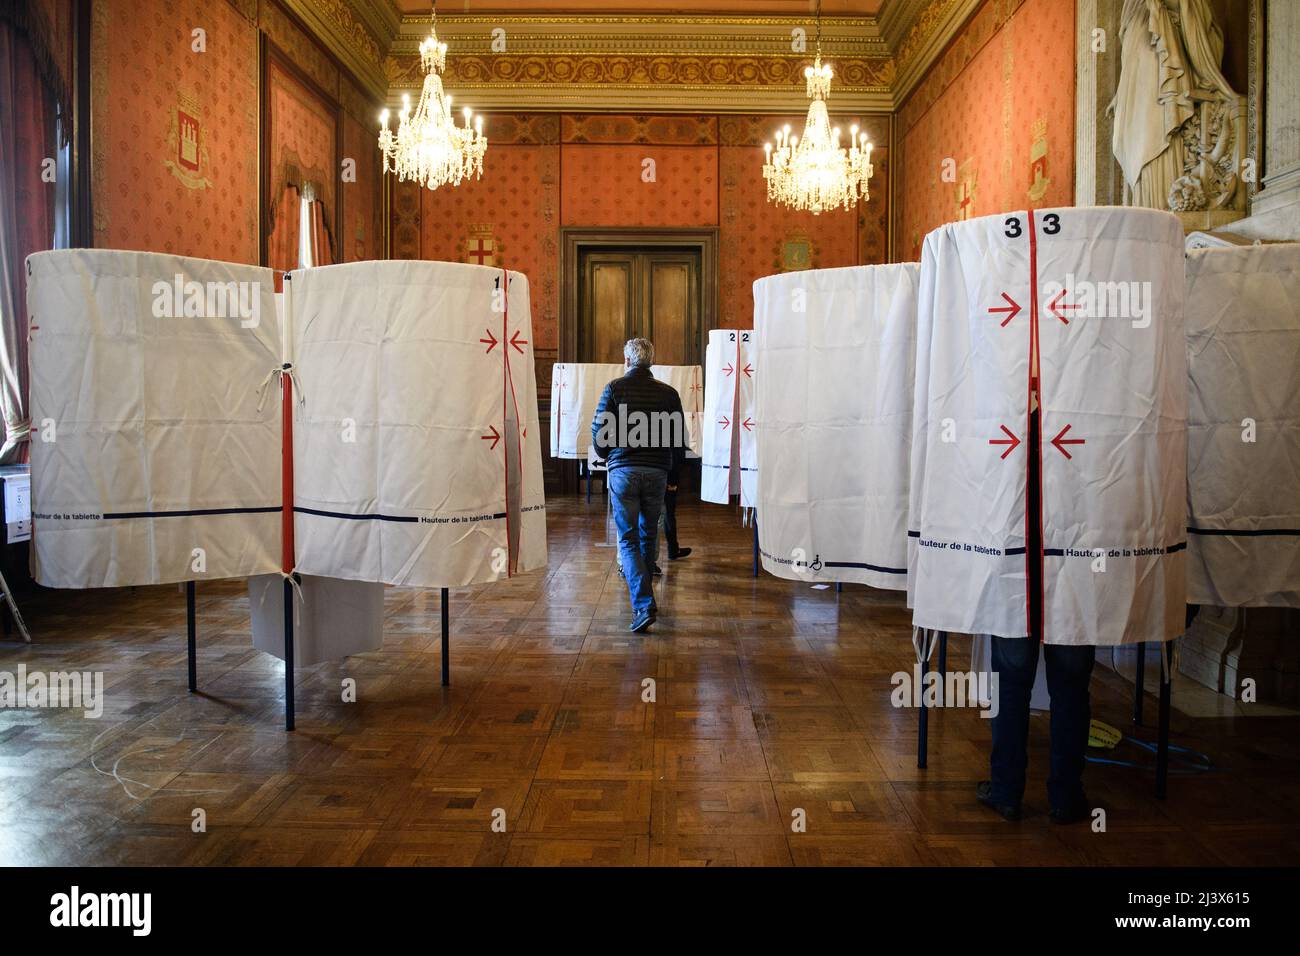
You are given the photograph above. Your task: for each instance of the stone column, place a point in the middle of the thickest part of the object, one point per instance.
(1275, 40)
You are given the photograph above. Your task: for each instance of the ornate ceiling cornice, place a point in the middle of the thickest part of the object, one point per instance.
(931, 29)
(670, 63)
(357, 32)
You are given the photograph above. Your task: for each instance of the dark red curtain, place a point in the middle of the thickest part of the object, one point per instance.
(28, 152)
(320, 240)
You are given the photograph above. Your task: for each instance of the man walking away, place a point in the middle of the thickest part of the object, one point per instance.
(640, 431)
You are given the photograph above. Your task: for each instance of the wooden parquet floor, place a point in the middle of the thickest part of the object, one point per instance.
(770, 698)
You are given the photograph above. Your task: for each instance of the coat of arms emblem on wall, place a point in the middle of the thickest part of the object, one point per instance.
(187, 144)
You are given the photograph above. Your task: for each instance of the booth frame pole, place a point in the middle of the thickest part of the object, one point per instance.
(923, 721)
(446, 637)
(1162, 740)
(756, 543)
(191, 637)
(288, 553)
(943, 664)
(288, 654)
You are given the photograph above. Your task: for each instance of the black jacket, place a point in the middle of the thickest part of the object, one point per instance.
(643, 424)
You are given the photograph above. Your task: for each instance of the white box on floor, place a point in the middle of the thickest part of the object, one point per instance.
(333, 618)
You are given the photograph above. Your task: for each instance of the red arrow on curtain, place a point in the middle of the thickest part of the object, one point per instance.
(1012, 307)
(1011, 441)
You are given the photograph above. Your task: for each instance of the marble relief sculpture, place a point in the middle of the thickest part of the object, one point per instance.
(1179, 125)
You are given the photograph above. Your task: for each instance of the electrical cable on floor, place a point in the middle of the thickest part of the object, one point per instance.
(1204, 764)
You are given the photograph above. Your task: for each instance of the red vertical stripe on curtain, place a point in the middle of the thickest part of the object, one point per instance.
(26, 217)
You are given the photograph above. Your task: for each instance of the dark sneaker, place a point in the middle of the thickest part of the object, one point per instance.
(682, 553)
(642, 622)
(1074, 813)
(984, 794)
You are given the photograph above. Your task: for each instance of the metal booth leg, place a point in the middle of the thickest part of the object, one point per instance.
(943, 664)
(1162, 741)
(1139, 683)
(288, 654)
(191, 634)
(923, 718)
(446, 631)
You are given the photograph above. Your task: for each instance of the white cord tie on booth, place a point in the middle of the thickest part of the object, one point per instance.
(274, 376)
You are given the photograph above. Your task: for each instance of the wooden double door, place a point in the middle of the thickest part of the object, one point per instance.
(654, 294)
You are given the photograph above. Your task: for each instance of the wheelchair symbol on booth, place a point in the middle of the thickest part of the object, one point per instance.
(816, 564)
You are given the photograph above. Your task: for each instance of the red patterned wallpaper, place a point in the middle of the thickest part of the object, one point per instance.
(585, 170)
(175, 131)
(754, 235)
(640, 185)
(512, 208)
(362, 215)
(995, 107)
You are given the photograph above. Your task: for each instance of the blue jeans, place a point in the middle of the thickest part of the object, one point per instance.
(1015, 661)
(638, 498)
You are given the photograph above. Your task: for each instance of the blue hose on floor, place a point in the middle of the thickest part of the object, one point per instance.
(1203, 765)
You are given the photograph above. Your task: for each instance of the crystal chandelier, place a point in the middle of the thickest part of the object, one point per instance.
(429, 148)
(814, 173)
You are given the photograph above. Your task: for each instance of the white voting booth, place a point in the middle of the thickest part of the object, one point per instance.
(834, 414)
(688, 380)
(426, 471)
(728, 446)
(1098, 295)
(416, 455)
(576, 388)
(1243, 430)
(161, 465)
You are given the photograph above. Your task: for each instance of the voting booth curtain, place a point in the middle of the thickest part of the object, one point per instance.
(1243, 429)
(154, 379)
(156, 459)
(728, 446)
(576, 388)
(834, 422)
(1096, 295)
(417, 449)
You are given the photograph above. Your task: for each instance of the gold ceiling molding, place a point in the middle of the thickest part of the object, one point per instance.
(737, 70)
(922, 28)
(645, 63)
(927, 36)
(593, 36)
(722, 63)
(353, 31)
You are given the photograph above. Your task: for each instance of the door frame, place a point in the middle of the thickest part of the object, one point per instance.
(574, 240)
